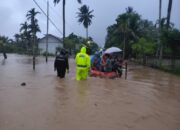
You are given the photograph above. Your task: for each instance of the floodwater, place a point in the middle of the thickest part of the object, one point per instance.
(148, 100)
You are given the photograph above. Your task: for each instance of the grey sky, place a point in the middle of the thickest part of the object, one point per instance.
(13, 12)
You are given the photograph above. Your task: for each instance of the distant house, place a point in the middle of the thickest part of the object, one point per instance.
(53, 43)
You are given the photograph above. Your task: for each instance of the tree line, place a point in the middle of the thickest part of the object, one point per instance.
(139, 37)
(25, 42)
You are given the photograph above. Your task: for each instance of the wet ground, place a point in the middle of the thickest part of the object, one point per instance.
(148, 100)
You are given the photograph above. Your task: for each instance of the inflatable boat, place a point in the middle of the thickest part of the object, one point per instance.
(96, 73)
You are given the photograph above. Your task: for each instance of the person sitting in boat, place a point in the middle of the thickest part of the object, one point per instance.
(118, 66)
(96, 62)
(113, 62)
(98, 65)
(103, 62)
(106, 65)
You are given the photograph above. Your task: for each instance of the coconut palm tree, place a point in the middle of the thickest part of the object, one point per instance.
(128, 25)
(17, 37)
(85, 16)
(161, 26)
(34, 28)
(24, 29)
(123, 27)
(64, 2)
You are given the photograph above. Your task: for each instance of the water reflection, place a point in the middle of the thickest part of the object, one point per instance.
(61, 92)
(81, 87)
(3, 62)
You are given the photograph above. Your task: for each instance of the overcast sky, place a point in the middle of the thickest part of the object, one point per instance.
(13, 12)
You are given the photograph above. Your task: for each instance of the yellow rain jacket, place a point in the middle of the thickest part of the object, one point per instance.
(82, 64)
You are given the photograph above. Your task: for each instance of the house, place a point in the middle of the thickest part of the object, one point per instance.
(53, 43)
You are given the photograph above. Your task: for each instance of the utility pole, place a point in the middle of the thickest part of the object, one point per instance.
(64, 28)
(47, 31)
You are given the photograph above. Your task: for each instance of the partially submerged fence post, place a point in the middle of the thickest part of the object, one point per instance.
(125, 70)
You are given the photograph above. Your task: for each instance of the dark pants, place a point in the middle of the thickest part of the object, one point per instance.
(61, 73)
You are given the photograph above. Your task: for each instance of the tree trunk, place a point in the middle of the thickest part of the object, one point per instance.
(167, 26)
(26, 42)
(169, 13)
(124, 48)
(159, 30)
(63, 22)
(159, 39)
(46, 48)
(87, 33)
(172, 60)
(34, 52)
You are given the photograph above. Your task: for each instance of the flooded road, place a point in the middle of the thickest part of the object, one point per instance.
(148, 100)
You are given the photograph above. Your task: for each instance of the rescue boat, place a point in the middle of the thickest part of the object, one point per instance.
(96, 73)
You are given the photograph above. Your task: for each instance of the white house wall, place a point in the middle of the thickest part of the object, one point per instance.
(51, 47)
(53, 43)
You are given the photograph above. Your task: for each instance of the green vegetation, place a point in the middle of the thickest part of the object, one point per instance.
(130, 32)
(143, 40)
(23, 41)
(143, 48)
(7, 45)
(73, 43)
(26, 39)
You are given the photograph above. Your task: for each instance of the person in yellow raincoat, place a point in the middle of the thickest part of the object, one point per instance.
(82, 64)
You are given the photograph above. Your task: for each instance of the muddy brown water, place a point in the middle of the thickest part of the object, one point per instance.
(148, 100)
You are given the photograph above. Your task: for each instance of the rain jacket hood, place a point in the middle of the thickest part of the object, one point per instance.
(83, 50)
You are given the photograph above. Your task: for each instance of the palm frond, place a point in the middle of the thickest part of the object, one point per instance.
(56, 1)
(79, 1)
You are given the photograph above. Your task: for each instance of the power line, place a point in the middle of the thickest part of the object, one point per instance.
(48, 17)
(45, 1)
(55, 12)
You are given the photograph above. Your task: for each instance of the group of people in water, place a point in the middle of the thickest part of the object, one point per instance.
(99, 62)
(107, 63)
